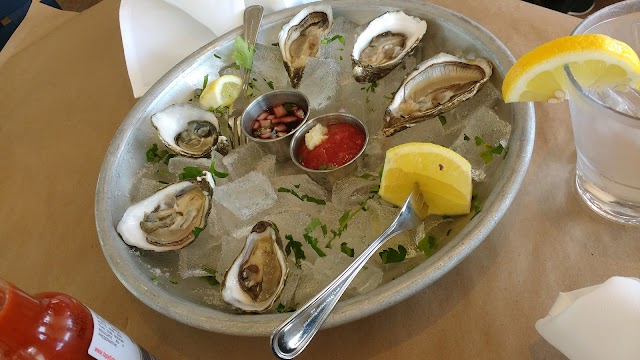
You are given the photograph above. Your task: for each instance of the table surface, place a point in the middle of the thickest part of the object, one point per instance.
(62, 99)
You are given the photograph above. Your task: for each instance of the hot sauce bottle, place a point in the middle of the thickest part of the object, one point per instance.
(51, 326)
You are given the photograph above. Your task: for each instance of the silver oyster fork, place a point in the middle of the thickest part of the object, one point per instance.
(290, 338)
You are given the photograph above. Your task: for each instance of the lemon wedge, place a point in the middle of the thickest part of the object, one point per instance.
(596, 61)
(443, 175)
(222, 91)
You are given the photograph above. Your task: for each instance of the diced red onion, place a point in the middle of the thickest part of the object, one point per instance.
(263, 115)
(279, 111)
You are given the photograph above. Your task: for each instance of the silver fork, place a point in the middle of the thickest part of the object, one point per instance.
(251, 24)
(290, 338)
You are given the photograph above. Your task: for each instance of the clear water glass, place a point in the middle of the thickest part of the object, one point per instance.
(606, 126)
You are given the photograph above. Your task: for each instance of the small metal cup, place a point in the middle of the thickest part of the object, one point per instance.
(328, 178)
(278, 146)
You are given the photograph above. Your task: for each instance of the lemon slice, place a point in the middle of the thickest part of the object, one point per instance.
(222, 91)
(443, 175)
(596, 61)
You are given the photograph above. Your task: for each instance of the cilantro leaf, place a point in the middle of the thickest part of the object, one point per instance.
(466, 138)
(196, 231)
(428, 244)
(476, 208)
(190, 172)
(216, 173)
(392, 255)
(347, 250)
(154, 278)
(270, 84)
(478, 140)
(173, 281)
(443, 120)
(242, 53)
(296, 247)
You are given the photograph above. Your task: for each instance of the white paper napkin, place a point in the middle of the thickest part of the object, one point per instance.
(157, 34)
(597, 322)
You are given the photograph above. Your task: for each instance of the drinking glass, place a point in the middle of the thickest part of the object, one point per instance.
(606, 129)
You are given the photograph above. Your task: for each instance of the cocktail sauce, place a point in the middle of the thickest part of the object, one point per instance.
(343, 143)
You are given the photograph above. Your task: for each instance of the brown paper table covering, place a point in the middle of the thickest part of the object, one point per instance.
(62, 99)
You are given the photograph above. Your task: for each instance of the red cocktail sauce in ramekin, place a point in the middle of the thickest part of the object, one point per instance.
(343, 143)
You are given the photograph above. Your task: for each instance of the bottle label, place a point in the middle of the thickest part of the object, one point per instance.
(109, 343)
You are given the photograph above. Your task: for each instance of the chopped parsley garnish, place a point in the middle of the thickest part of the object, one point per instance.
(154, 278)
(214, 172)
(392, 255)
(153, 155)
(428, 244)
(196, 231)
(296, 247)
(347, 215)
(162, 182)
(243, 53)
(275, 44)
(314, 224)
(284, 309)
(340, 57)
(366, 176)
(205, 82)
(303, 197)
(449, 231)
(335, 37)
(220, 111)
(374, 189)
(174, 282)
(211, 279)
(313, 242)
(443, 120)
(190, 172)
(346, 249)
(326, 167)
(466, 138)
(489, 150)
(270, 84)
(476, 208)
(371, 87)
(217, 56)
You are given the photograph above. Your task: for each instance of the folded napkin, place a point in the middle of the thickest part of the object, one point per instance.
(597, 322)
(157, 34)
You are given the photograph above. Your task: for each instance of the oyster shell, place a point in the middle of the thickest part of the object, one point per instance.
(165, 220)
(187, 129)
(257, 276)
(385, 42)
(436, 86)
(300, 38)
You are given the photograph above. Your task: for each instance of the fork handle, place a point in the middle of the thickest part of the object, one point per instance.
(290, 338)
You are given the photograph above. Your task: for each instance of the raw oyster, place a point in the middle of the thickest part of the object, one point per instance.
(166, 220)
(436, 86)
(382, 46)
(187, 129)
(300, 38)
(257, 275)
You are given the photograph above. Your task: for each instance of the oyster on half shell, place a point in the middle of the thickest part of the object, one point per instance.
(385, 42)
(187, 129)
(436, 86)
(257, 276)
(300, 38)
(166, 220)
